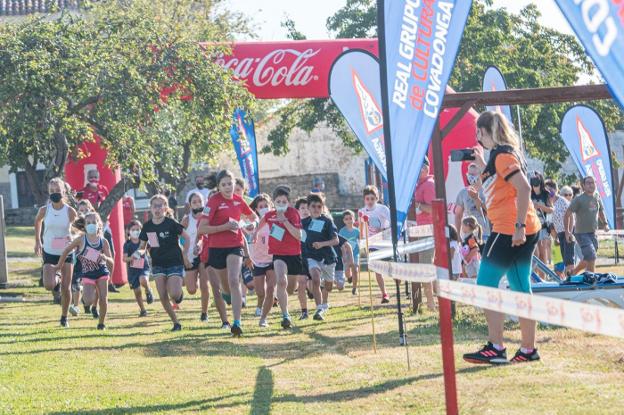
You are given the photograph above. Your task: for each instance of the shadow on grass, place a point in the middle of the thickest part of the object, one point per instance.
(263, 392)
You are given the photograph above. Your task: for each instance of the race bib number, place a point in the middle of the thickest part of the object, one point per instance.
(152, 239)
(277, 232)
(137, 263)
(59, 243)
(317, 225)
(92, 255)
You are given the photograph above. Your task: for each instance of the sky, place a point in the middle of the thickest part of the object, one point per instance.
(310, 16)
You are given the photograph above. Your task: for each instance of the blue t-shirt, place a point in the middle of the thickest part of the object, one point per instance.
(353, 236)
(129, 248)
(321, 229)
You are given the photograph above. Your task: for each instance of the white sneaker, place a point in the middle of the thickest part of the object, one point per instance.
(258, 311)
(263, 323)
(73, 310)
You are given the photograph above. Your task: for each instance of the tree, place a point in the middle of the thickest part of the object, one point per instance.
(529, 54)
(131, 72)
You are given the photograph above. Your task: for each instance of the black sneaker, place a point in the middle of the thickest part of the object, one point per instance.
(488, 354)
(143, 313)
(94, 312)
(64, 322)
(385, 299)
(349, 280)
(318, 316)
(525, 357)
(304, 315)
(179, 300)
(310, 295)
(176, 327)
(225, 325)
(112, 289)
(203, 317)
(286, 323)
(101, 326)
(87, 309)
(354, 291)
(149, 297)
(236, 330)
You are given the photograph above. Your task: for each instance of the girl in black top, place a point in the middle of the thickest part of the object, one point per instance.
(162, 234)
(543, 207)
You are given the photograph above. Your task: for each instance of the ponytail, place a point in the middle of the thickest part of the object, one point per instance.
(497, 125)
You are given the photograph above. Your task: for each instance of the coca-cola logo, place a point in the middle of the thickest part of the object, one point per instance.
(280, 66)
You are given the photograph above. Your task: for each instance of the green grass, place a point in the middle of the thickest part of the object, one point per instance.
(137, 366)
(20, 241)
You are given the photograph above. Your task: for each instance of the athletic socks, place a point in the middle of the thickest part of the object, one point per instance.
(526, 351)
(237, 323)
(498, 347)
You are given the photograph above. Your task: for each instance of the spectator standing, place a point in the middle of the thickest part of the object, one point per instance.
(560, 206)
(94, 192)
(424, 195)
(469, 202)
(589, 210)
(541, 202)
(128, 209)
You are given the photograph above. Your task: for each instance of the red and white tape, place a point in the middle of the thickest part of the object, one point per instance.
(607, 321)
(413, 231)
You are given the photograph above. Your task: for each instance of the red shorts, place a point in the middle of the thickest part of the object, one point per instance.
(89, 281)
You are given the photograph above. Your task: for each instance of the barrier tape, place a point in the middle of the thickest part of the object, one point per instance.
(402, 249)
(412, 230)
(596, 319)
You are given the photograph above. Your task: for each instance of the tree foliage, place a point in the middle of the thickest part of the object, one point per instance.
(529, 54)
(104, 72)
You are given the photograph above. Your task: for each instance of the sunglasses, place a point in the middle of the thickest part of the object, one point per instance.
(567, 194)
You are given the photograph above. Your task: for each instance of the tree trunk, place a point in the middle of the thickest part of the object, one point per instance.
(115, 195)
(38, 187)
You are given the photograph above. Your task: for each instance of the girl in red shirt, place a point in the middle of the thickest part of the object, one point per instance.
(226, 243)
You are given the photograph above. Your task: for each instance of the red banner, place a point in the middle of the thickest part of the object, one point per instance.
(289, 69)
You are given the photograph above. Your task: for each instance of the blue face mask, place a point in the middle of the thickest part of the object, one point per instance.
(91, 228)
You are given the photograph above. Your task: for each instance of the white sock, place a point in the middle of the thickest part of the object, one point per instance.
(526, 351)
(498, 347)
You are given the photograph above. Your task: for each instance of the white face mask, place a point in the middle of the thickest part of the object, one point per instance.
(281, 208)
(263, 211)
(91, 228)
(135, 234)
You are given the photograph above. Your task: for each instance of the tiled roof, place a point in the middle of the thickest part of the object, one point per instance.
(24, 7)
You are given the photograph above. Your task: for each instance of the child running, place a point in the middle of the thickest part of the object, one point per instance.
(344, 259)
(96, 263)
(226, 239)
(193, 274)
(455, 247)
(471, 241)
(378, 221)
(305, 282)
(320, 237)
(84, 207)
(138, 268)
(284, 244)
(352, 235)
(264, 275)
(162, 234)
(56, 218)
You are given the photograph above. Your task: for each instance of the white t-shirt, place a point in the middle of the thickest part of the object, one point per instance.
(204, 192)
(456, 261)
(378, 218)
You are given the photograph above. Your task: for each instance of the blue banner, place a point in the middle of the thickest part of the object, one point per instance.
(599, 25)
(493, 80)
(584, 134)
(354, 86)
(244, 139)
(418, 43)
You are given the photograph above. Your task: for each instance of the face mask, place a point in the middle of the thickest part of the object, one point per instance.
(281, 208)
(263, 211)
(91, 228)
(198, 210)
(55, 197)
(551, 193)
(94, 180)
(135, 234)
(471, 179)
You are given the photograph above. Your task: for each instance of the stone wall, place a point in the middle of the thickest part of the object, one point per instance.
(20, 217)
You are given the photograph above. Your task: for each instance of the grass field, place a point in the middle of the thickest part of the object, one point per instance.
(137, 366)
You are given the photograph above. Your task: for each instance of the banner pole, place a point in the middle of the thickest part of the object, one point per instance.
(389, 164)
(442, 260)
(370, 285)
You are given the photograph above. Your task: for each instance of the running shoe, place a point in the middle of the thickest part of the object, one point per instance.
(87, 309)
(258, 311)
(73, 310)
(350, 280)
(354, 291)
(521, 357)
(263, 323)
(143, 313)
(112, 289)
(318, 316)
(64, 322)
(94, 312)
(244, 302)
(176, 327)
(56, 294)
(488, 354)
(286, 323)
(385, 299)
(227, 298)
(149, 297)
(226, 325)
(310, 295)
(101, 326)
(203, 317)
(236, 330)
(179, 300)
(275, 302)
(304, 315)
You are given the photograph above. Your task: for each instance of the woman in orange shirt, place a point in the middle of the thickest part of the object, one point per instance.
(515, 231)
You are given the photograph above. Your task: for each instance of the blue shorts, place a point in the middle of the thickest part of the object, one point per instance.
(134, 278)
(172, 271)
(588, 244)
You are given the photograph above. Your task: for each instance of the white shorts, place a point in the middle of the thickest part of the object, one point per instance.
(327, 270)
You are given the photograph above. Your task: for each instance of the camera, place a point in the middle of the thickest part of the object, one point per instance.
(465, 154)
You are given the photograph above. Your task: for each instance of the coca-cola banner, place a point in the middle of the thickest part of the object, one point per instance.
(290, 69)
(355, 88)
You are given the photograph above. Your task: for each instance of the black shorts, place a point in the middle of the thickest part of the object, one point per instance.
(294, 264)
(54, 259)
(217, 257)
(194, 265)
(261, 271)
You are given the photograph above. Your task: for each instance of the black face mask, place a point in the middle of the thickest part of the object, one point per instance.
(55, 197)
(198, 210)
(199, 185)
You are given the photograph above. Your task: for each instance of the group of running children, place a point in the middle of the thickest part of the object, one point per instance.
(271, 245)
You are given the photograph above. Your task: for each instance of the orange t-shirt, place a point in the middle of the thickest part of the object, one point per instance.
(501, 195)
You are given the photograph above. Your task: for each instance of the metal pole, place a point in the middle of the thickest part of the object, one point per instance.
(4, 271)
(520, 129)
(370, 286)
